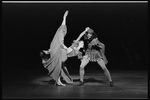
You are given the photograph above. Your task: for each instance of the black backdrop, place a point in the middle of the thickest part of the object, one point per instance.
(29, 28)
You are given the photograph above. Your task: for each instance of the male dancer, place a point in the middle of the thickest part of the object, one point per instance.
(94, 53)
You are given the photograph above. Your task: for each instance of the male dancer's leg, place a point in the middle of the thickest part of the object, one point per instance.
(84, 62)
(107, 73)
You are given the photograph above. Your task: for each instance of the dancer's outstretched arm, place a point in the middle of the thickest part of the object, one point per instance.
(63, 46)
(81, 34)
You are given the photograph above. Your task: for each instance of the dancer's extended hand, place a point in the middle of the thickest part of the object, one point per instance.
(87, 28)
(74, 41)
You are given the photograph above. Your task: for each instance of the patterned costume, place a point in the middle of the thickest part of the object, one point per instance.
(74, 49)
(94, 51)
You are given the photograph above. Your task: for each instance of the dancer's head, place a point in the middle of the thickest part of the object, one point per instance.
(90, 34)
(44, 56)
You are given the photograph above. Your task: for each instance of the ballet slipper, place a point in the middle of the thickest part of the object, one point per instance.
(81, 83)
(66, 13)
(111, 84)
(69, 82)
(60, 83)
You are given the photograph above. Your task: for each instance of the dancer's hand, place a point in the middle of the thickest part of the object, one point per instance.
(74, 41)
(87, 28)
(63, 46)
(69, 50)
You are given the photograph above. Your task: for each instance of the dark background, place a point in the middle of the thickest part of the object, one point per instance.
(29, 28)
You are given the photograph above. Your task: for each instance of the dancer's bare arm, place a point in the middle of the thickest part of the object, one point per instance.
(62, 45)
(81, 34)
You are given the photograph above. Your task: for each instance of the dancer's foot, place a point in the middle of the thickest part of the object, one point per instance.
(66, 13)
(111, 83)
(59, 84)
(80, 83)
(69, 82)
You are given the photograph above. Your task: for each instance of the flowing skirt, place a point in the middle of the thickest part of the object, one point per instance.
(95, 55)
(54, 66)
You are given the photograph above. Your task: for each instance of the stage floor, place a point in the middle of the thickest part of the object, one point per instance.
(127, 84)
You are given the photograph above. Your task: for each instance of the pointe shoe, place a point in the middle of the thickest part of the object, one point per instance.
(59, 84)
(66, 13)
(62, 84)
(69, 82)
(80, 83)
(111, 84)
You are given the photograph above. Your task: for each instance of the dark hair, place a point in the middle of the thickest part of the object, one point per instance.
(90, 31)
(44, 56)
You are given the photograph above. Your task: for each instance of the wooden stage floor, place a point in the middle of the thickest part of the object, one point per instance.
(127, 84)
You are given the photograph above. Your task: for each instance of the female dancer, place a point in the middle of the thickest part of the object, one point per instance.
(58, 55)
